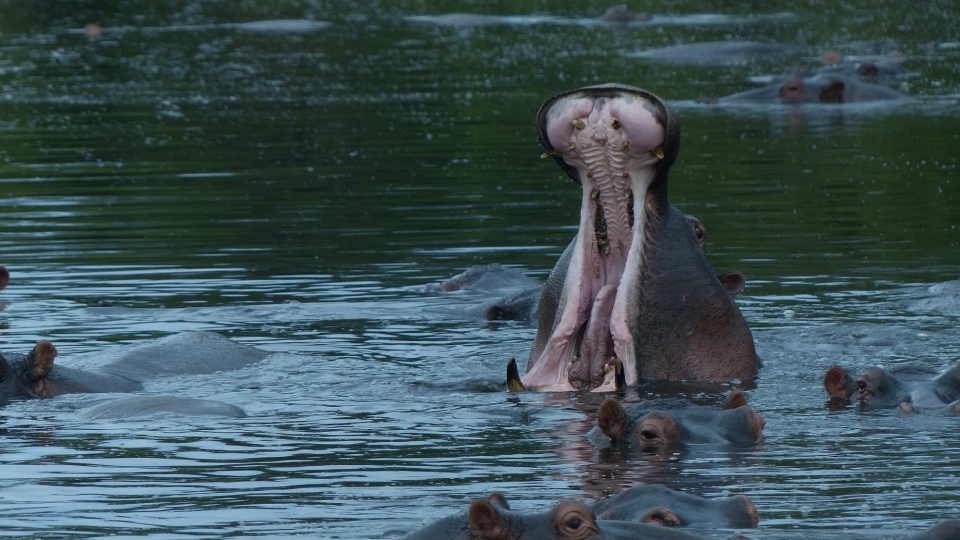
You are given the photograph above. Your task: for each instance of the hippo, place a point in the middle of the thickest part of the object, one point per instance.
(823, 87)
(667, 422)
(869, 71)
(660, 505)
(4, 279)
(909, 387)
(125, 369)
(623, 14)
(948, 529)
(492, 519)
(142, 406)
(718, 52)
(634, 287)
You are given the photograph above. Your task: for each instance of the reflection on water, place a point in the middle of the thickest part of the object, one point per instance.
(294, 190)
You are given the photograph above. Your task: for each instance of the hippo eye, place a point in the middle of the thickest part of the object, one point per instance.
(862, 385)
(574, 523)
(648, 435)
(699, 232)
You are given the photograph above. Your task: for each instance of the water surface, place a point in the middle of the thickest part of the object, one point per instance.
(294, 186)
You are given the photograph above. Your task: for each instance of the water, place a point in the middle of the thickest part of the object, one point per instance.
(295, 189)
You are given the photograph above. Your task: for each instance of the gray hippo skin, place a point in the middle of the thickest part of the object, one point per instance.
(818, 88)
(908, 387)
(717, 52)
(660, 505)
(141, 406)
(669, 422)
(521, 305)
(492, 519)
(122, 369)
(948, 529)
(633, 289)
(4, 279)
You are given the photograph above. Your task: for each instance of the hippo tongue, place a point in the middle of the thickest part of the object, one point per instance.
(597, 345)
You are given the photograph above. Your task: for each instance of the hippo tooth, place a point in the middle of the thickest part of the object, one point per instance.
(579, 124)
(552, 153)
(658, 151)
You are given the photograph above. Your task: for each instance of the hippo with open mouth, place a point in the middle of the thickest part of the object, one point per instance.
(633, 296)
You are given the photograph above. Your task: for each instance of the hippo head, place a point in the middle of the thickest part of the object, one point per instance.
(569, 520)
(634, 287)
(877, 388)
(737, 422)
(26, 375)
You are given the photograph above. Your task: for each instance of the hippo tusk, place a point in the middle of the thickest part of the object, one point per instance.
(513, 377)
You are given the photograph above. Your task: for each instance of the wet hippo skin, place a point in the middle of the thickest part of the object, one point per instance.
(521, 303)
(909, 387)
(642, 512)
(633, 289)
(669, 422)
(948, 529)
(717, 52)
(123, 368)
(818, 88)
(141, 406)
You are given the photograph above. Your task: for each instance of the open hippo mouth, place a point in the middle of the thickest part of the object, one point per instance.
(632, 296)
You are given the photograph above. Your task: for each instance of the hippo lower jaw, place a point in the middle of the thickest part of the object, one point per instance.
(613, 143)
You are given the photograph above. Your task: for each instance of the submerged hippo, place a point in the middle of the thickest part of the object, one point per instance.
(718, 52)
(825, 87)
(123, 369)
(633, 287)
(666, 422)
(948, 529)
(660, 505)
(4, 279)
(908, 387)
(640, 513)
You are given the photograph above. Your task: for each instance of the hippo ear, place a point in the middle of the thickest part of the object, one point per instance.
(736, 399)
(611, 418)
(485, 521)
(4, 277)
(497, 498)
(833, 92)
(662, 517)
(838, 384)
(733, 282)
(513, 377)
(41, 358)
